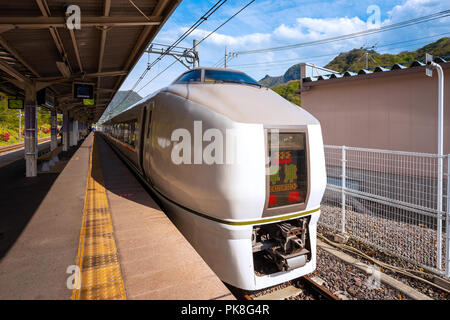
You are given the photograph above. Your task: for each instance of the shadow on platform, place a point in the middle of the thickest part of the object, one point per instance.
(20, 197)
(116, 175)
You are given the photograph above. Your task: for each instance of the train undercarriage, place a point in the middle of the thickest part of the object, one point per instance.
(282, 246)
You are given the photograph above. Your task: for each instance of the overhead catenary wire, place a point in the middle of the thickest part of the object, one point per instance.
(287, 61)
(406, 23)
(203, 39)
(202, 19)
(220, 62)
(226, 21)
(160, 73)
(191, 29)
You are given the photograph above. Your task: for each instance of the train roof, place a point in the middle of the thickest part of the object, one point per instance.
(239, 102)
(244, 103)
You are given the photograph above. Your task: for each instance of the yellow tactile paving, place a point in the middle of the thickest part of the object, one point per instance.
(101, 277)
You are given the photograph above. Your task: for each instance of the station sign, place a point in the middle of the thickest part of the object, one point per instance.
(82, 90)
(46, 98)
(88, 102)
(15, 103)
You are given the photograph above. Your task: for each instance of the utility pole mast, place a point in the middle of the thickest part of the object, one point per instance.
(186, 56)
(225, 64)
(20, 124)
(195, 48)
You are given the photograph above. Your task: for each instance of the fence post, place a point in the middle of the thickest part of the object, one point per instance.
(343, 189)
(439, 214)
(447, 224)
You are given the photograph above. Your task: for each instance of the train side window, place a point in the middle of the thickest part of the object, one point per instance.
(122, 132)
(125, 132)
(133, 135)
(132, 132)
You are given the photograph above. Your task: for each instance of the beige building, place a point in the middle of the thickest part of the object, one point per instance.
(395, 108)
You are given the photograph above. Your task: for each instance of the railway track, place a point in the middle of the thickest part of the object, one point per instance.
(301, 287)
(20, 145)
(322, 292)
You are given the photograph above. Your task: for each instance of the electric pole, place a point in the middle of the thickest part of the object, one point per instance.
(225, 64)
(20, 125)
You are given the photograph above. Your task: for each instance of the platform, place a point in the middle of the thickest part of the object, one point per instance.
(127, 247)
(40, 225)
(17, 154)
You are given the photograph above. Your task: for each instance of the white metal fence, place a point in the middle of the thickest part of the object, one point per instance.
(391, 200)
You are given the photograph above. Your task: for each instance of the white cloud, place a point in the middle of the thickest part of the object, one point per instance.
(270, 24)
(235, 41)
(314, 29)
(414, 8)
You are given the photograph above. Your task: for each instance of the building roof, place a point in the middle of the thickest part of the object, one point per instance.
(390, 70)
(36, 46)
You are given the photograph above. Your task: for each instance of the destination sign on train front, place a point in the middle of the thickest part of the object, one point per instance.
(288, 184)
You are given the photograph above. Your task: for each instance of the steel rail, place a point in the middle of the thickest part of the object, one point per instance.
(319, 290)
(20, 145)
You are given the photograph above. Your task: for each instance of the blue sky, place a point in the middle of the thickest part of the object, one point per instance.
(266, 24)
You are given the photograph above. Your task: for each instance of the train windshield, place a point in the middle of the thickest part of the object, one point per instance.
(193, 76)
(228, 76)
(217, 76)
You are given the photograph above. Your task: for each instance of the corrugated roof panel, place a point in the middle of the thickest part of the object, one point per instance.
(416, 63)
(380, 69)
(335, 75)
(349, 74)
(323, 77)
(398, 66)
(393, 67)
(364, 71)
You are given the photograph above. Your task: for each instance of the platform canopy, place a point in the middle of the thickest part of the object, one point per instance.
(37, 47)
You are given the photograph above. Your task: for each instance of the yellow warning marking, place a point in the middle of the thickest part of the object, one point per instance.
(101, 277)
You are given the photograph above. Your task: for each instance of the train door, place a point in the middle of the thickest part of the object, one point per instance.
(147, 139)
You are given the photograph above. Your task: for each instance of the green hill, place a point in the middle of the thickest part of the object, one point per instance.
(287, 91)
(118, 104)
(355, 60)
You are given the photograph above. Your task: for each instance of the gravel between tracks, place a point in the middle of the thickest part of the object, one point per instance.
(348, 281)
(392, 260)
(412, 241)
(342, 279)
(415, 241)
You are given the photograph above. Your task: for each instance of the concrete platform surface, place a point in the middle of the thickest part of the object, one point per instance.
(157, 262)
(40, 224)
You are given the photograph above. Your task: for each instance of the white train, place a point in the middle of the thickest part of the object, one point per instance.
(238, 169)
